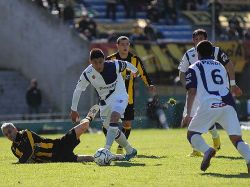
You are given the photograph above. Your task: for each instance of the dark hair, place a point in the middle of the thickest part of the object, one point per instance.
(200, 32)
(121, 38)
(205, 49)
(96, 53)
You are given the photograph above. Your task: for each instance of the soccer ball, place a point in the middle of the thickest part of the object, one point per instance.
(103, 157)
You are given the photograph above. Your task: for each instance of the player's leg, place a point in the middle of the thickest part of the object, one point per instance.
(229, 121)
(194, 153)
(216, 137)
(208, 117)
(126, 124)
(85, 158)
(84, 124)
(199, 144)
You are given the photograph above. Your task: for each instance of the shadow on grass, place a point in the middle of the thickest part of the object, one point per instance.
(128, 164)
(151, 156)
(240, 175)
(229, 157)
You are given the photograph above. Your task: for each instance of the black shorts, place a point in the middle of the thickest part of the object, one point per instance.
(65, 146)
(129, 113)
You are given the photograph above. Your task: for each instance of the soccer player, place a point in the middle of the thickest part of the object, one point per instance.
(190, 57)
(123, 53)
(106, 78)
(29, 147)
(207, 82)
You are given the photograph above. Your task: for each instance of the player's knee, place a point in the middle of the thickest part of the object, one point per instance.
(127, 125)
(190, 134)
(115, 116)
(235, 139)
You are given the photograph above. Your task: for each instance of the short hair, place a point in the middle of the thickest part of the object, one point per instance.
(7, 125)
(96, 53)
(205, 48)
(200, 32)
(122, 38)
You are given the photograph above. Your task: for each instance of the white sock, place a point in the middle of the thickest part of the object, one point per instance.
(198, 143)
(111, 134)
(244, 150)
(122, 141)
(214, 132)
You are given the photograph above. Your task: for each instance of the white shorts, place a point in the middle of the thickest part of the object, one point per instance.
(206, 116)
(194, 108)
(117, 103)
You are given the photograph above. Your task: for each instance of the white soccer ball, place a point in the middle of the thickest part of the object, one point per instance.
(103, 157)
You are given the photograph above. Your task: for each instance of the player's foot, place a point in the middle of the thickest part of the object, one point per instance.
(93, 111)
(131, 155)
(118, 157)
(119, 150)
(206, 158)
(248, 167)
(195, 154)
(217, 143)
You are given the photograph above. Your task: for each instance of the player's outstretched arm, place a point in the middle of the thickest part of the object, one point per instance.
(85, 158)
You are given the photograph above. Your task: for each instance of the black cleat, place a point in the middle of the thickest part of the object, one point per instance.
(206, 158)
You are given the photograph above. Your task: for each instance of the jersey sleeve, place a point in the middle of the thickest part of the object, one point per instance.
(143, 74)
(184, 64)
(28, 146)
(120, 65)
(222, 57)
(191, 79)
(81, 86)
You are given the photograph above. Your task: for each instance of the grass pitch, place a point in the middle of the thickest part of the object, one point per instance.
(162, 161)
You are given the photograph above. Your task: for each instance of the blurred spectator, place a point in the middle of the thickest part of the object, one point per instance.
(152, 12)
(170, 12)
(234, 24)
(111, 8)
(155, 112)
(86, 25)
(33, 97)
(68, 12)
(247, 34)
(54, 7)
(137, 34)
(232, 34)
(150, 32)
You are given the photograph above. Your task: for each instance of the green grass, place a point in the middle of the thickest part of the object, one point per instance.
(161, 161)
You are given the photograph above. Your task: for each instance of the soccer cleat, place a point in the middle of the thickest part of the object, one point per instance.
(217, 143)
(118, 157)
(206, 158)
(195, 154)
(119, 150)
(131, 155)
(93, 111)
(248, 167)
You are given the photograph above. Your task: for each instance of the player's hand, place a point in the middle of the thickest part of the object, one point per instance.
(152, 89)
(186, 121)
(74, 116)
(135, 74)
(236, 91)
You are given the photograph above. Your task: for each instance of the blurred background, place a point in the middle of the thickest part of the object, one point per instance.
(44, 47)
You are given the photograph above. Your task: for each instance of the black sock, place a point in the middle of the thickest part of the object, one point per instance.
(104, 130)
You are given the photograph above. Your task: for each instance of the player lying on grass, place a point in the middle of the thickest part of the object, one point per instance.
(207, 81)
(29, 147)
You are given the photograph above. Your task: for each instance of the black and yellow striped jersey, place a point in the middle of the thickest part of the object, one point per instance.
(29, 146)
(127, 76)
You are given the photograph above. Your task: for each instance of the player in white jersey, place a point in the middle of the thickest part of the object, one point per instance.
(190, 57)
(207, 82)
(106, 78)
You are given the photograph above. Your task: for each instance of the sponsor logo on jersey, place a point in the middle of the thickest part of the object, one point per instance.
(111, 86)
(93, 76)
